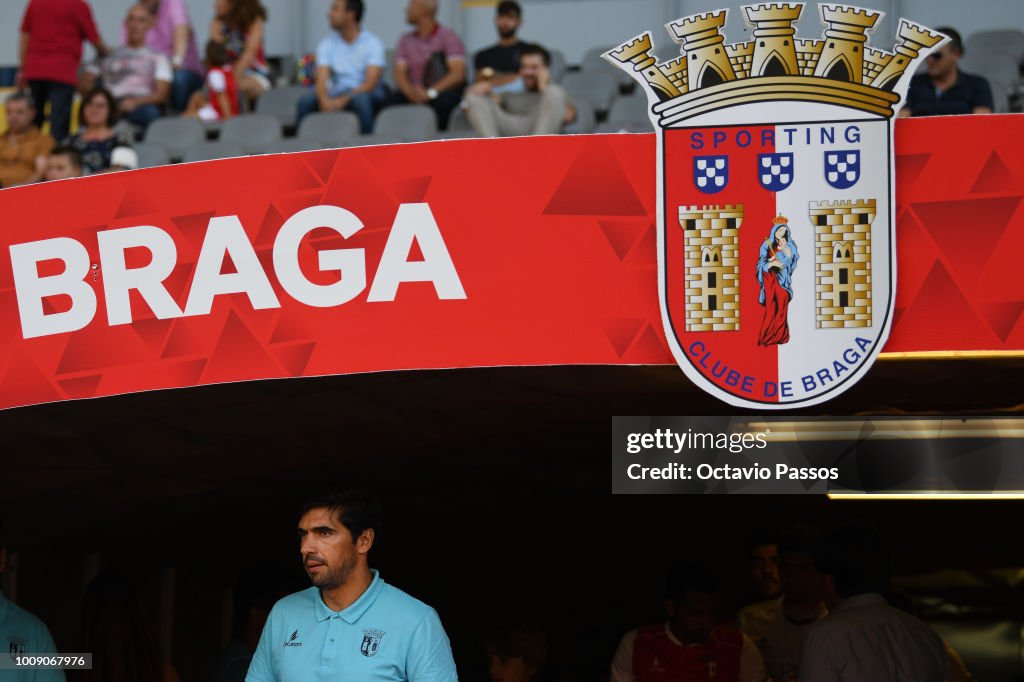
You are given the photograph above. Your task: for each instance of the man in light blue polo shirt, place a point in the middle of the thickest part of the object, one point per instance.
(21, 633)
(351, 625)
(349, 64)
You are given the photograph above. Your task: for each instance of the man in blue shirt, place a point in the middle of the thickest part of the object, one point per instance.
(945, 90)
(21, 633)
(349, 64)
(351, 625)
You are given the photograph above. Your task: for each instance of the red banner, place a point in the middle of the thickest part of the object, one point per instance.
(463, 253)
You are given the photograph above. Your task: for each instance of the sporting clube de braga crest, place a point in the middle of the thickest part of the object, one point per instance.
(776, 225)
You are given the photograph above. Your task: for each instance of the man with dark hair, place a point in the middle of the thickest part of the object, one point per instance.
(542, 110)
(350, 624)
(945, 89)
(777, 625)
(430, 63)
(863, 637)
(497, 67)
(349, 64)
(64, 162)
(689, 646)
(764, 564)
(23, 148)
(21, 634)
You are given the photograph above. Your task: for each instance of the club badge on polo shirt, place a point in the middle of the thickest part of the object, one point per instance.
(17, 646)
(776, 197)
(371, 642)
(292, 639)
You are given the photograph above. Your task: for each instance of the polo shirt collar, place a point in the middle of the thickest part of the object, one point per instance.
(355, 611)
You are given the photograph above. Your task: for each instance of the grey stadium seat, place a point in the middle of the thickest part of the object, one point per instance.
(597, 88)
(375, 139)
(252, 132)
(558, 65)
(331, 128)
(208, 151)
(458, 121)
(407, 121)
(282, 103)
(584, 121)
(176, 135)
(627, 115)
(151, 154)
(1009, 42)
(593, 62)
(295, 144)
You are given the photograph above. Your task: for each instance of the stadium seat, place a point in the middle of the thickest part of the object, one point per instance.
(999, 70)
(151, 154)
(295, 144)
(252, 132)
(593, 62)
(218, 149)
(627, 115)
(585, 119)
(1009, 42)
(458, 121)
(388, 77)
(332, 129)
(558, 65)
(406, 121)
(282, 103)
(176, 135)
(595, 87)
(375, 139)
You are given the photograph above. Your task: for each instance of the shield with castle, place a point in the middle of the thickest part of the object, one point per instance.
(776, 231)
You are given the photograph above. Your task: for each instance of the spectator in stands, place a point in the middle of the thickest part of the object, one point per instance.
(430, 63)
(863, 637)
(137, 76)
(945, 89)
(516, 653)
(120, 634)
(23, 633)
(63, 163)
(241, 25)
(777, 626)
(254, 597)
(349, 64)
(497, 67)
(764, 564)
(541, 113)
(689, 646)
(22, 145)
(50, 52)
(172, 34)
(96, 140)
(221, 100)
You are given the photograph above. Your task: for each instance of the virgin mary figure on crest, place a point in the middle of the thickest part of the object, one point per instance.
(775, 265)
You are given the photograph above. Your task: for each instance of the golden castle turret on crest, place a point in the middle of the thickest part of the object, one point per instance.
(838, 69)
(842, 236)
(712, 267)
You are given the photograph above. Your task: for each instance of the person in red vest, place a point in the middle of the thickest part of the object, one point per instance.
(689, 646)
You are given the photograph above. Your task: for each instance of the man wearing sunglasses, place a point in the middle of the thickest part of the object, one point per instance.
(946, 90)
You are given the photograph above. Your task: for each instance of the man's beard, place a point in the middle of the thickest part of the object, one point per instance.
(506, 35)
(331, 578)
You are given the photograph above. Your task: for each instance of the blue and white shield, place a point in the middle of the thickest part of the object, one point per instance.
(371, 642)
(775, 171)
(842, 168)
(711, 173)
